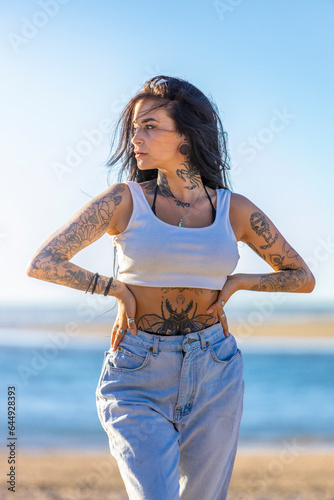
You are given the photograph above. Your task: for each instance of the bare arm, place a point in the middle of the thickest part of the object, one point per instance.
(51, 262)
(291, 272)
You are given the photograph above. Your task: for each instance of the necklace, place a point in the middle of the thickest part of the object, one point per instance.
(181, 219)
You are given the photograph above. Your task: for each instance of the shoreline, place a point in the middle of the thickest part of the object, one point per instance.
(294, 329)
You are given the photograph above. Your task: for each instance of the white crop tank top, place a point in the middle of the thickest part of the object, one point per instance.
(153, 253)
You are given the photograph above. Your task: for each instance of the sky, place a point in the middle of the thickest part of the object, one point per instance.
(69, 67)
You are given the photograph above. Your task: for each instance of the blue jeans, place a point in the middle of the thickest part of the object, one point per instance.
(171, 407)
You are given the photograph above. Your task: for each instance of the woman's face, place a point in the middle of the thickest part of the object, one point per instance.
(155, 135)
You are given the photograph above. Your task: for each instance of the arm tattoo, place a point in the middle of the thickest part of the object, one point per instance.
(278, 260)
(175, 322)
(255, 250)
(69, 274)
(52, 262)
(282, 281)
(260, 225)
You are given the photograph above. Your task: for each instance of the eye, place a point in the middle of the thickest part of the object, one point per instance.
(134, 129)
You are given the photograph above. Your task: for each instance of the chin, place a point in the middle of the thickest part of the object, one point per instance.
(144, 165)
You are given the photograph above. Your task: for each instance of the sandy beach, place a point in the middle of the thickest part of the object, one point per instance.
(263, 476)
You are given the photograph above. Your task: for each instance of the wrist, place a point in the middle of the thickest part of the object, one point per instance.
(238, 280)
(118, 289)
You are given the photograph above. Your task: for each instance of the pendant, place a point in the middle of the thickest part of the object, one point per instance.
(181, 224)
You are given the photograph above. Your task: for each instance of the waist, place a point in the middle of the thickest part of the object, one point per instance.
(176, 342)
(173, 311)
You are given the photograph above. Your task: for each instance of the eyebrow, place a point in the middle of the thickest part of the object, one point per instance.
(147, 120)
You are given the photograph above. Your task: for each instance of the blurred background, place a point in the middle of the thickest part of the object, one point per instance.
(68, 69)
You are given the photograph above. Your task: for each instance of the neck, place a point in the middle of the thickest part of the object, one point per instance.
(184, 185)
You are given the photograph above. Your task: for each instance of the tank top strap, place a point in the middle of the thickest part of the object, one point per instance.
(155, 197)
(212, 207)
(137, 197)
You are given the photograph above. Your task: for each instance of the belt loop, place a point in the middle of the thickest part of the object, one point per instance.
(156, 345)
(202, 339)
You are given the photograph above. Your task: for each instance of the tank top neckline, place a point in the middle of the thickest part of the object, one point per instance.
(154, 217)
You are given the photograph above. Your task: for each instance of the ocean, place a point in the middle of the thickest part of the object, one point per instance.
(289, 390)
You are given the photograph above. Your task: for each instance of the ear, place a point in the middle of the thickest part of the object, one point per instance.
(185, 138)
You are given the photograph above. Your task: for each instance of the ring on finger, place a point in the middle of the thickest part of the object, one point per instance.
(131, 320)
(121, 331)
(222, 315)
(222, 302)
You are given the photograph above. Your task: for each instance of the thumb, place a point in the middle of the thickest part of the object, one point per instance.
(213, 306)
(210, 310)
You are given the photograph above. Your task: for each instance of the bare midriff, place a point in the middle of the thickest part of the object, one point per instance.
(173, 311)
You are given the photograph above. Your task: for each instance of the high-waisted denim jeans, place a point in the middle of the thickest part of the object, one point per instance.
(172, 407)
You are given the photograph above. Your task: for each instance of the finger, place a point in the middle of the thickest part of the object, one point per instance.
(132, 325)
(118, 338)
(113, 334)
(223, 321)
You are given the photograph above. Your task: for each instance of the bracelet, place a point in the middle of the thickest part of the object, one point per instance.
(108, 286)
(96, 276)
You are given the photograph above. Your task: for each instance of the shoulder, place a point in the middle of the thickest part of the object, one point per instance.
(116, 195)
(240, 202)
(117, 203)
(242, 206)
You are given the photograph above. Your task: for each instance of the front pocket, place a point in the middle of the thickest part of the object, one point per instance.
(225, 351)
(126, 360)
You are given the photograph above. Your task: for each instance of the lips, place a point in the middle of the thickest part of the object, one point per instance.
(138, 153)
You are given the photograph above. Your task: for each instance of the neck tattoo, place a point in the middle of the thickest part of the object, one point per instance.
(180, 219)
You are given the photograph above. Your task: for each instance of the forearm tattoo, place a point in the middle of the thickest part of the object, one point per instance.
(282, 281)
(176, 320)
(90, 224)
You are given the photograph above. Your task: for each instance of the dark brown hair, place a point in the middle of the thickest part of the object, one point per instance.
(194, 115)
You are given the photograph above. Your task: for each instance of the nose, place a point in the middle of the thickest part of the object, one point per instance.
(136, 138)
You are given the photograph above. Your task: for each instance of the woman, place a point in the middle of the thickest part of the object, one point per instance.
(170, 393)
